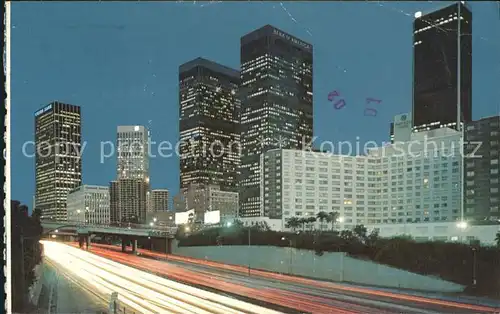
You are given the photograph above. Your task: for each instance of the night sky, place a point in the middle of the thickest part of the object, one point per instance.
(119, 61)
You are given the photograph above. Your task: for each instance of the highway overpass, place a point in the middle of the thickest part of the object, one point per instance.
(127, 232)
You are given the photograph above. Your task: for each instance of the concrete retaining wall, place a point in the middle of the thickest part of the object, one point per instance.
(329, 266)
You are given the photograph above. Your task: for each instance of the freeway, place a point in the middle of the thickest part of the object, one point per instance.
(142, 291)
(302, 294)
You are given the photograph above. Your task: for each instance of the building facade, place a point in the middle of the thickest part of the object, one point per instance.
(158, 200)
(179, 202)
(482, 178)
(58, 165)
(435, 75)
(276, 101)
(89, 204)
(128, 200)
(416, 181)
(209, 124)
(202, 198)
(225, 202)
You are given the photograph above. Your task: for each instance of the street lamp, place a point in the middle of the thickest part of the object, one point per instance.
(154, 219)
(229, 224)
(340, 219)
(462, 225)
(474, 281)
(151, 224)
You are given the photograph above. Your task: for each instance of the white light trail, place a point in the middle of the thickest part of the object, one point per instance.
(140, 290)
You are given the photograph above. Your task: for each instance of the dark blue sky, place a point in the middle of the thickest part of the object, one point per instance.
(119, 61)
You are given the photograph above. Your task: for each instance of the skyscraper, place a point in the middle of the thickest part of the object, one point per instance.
(130, 192)
(209, 124)
(58, 164)
(133, 152)
(435, 67)
(276, 104)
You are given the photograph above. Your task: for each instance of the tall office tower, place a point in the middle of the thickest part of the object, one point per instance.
(276, 104)
(482, 178)
(209, 124)
(130, 192)
(158, 200)
(128, 200)
(133, 152)
(435, 67)
(58, 166)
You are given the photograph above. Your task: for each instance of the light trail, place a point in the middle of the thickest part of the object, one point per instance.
(297, 301)
(318, 284)
(142, 291)
(282, 277)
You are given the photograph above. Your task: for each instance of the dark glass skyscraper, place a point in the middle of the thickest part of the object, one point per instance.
(58, 166)
(209, 124)
(435, 40)
(276, 101)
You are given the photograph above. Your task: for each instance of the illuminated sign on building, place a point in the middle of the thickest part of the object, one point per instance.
(402, 127)
(292, 39)
(39, 112)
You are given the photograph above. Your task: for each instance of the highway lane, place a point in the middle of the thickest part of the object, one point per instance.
(359, 299)
(291, 300)
(144, 292)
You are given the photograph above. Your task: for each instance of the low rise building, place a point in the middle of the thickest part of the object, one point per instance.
(89, 204)
(201, 198)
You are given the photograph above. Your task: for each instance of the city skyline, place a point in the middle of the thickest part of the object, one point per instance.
(96, 174)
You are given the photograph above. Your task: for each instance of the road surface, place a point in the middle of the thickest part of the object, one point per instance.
(144, 292)
(61, 294)
(302, 294)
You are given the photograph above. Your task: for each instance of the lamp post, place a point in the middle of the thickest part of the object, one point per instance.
(290, 261)
(249, 244)
(474, 281)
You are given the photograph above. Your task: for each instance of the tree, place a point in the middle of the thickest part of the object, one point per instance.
(264, 226)
(347, 235)
(332, 218)
(302, 222)
(292, 223)
(238, 223)
(322, 216)
(26, 253)
(360, 231)
(497, 239)
(372, 238)
(311, 221)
